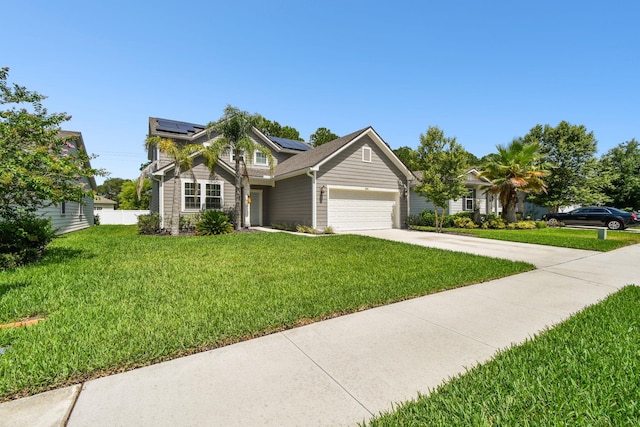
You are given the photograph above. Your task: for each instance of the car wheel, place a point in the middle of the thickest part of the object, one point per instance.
(614, 224)
(553, 222)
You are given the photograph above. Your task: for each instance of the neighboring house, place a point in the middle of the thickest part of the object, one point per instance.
(102, 203)
(354, 182)
(72, 216)
(477, 196)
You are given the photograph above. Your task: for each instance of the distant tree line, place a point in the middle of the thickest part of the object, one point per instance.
(555, 166)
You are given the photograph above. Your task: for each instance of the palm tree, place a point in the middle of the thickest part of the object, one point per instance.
(233, 129)
(182, 156)
(517, 167)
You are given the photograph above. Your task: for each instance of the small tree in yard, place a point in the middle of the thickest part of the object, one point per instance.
(445, 164)
(233, 129)
(39, 167)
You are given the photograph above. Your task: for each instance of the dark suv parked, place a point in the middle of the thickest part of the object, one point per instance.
(612, 218)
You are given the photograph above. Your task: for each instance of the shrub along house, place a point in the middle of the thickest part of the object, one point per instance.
(478, 196)
(354, 182)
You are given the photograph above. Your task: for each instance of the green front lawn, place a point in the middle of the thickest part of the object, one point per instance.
(563, 237)
(584, 372)
(113, 300)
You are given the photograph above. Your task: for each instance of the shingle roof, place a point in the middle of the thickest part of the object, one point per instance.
(312, 157)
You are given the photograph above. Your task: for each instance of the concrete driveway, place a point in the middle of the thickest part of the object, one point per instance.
(538, 255)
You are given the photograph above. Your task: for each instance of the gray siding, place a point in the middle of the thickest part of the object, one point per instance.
(201, 173)
(76, 216)
(348, 169)
(290, 201)
(419, 203)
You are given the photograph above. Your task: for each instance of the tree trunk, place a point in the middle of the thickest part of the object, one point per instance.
(509, 210)
(438, 219)
(238, 201)
(175, 203)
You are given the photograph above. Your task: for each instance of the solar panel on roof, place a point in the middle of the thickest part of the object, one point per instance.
(290, 143)
(177, 127)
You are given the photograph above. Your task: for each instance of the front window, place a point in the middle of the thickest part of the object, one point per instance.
(260, 158)
(202, 195)
(192, 196)
(468, 200)
(213, 196)
(233, 154)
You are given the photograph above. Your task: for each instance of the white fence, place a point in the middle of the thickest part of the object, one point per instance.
(119, 217)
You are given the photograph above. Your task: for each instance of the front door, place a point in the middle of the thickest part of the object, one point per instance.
(255, 208)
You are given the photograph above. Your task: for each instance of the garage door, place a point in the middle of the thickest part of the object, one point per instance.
(362, 209)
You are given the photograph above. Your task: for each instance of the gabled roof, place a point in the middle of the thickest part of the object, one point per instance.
(311, 158)
(472, 171)
(104, 201)
(316, 157)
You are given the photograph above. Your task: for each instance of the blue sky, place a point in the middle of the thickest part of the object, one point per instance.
(484, 72)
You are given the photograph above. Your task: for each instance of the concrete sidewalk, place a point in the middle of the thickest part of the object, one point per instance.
(345, 370)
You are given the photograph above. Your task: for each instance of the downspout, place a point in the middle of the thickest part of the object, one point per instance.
(402, 223)
(312, 174)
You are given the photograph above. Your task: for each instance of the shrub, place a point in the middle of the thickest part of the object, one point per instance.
(494, 222)
(541, 224)
(231, 214)
(213, 222)
(188, 222)
(306, 229)
(329, 230)
(96, 219)
(23, 239)
(464, 222)
(149, 224)
(525, 225)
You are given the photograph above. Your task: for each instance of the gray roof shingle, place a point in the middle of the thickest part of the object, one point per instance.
(314, 156)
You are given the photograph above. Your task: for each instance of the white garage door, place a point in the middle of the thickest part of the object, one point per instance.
(361, 209)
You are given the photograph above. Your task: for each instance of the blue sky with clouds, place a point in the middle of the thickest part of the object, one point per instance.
(484, 72)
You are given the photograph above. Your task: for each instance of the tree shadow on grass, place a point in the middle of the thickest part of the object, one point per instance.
(63, 255)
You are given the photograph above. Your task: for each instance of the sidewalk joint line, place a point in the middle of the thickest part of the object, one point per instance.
(67, 416)
(327, 374)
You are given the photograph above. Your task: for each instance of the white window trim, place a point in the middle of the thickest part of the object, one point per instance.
(255, 159)
(470, 196)
(366, 154)
(231, 155)
(201, 193)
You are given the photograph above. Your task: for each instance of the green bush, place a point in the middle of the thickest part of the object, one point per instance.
(428, 219)
(495, 222)
(149, 224)
(541, 224)
(306, 229)
(23, 239)
(231, 214)
(464, 222)
(213, 222)
(188, 222)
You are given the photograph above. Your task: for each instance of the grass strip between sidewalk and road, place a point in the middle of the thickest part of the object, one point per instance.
(583, 372)
(562, 237)
(110, 300)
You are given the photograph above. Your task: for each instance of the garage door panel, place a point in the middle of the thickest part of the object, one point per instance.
(361, 209)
